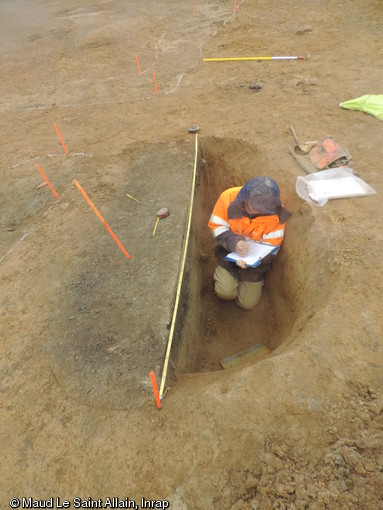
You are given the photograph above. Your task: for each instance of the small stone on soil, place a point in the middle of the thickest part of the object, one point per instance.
(256, 86)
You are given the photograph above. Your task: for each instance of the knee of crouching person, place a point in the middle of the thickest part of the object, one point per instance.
(224, 294)
(247, 306)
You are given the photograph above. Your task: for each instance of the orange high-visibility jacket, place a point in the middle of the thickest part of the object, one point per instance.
(267, 228)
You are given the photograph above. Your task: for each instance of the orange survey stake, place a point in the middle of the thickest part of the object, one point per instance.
(155, 389)
(46, 180)
(61, 140)
(138, 65)
(102, 219)
(155, 81)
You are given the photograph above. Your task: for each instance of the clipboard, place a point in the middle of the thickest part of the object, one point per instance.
(257, 252)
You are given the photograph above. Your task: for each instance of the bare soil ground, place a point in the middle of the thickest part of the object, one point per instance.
(82, 325)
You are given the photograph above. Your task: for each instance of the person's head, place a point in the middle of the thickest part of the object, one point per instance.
(260, 195)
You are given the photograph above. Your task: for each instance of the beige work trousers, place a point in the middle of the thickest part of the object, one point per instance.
(246, 294)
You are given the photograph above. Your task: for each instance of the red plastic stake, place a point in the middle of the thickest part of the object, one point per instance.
(155, 389)
(195, 10)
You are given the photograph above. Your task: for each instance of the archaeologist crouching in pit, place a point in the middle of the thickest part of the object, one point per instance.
(251, 212)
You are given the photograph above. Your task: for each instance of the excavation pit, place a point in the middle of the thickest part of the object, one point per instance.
(210, 329)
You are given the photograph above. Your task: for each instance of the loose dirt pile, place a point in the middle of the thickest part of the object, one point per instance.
(82, 325)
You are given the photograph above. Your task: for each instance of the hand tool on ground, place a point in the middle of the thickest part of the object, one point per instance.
(305, 148)
(302, 162)
(162, 213)
(301, 149)
(292, 131)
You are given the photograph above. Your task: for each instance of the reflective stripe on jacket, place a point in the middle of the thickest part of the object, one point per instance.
(261, 228)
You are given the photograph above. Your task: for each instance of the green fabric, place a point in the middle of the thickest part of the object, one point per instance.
(368, 103)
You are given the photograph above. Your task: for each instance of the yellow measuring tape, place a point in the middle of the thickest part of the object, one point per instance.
(180, 276)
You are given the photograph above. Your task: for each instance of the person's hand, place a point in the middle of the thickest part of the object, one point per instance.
(242, 248)
(241, 264)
